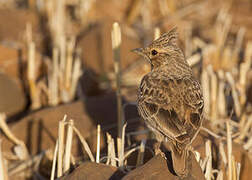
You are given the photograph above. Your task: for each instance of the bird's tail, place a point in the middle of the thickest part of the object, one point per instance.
(179, 160)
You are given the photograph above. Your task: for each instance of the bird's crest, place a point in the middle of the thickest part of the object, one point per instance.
(167, 39)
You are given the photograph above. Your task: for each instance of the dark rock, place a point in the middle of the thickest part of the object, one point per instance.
(39, 130)
(90, 171)
(159, 168)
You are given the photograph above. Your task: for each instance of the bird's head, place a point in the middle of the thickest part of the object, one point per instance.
(161, 50)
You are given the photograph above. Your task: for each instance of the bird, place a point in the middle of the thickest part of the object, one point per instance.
(170, 98)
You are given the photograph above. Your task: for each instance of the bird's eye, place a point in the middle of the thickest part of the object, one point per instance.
(154, 52)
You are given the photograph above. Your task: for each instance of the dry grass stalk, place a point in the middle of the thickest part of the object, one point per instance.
(134, 11)
(20, 152)
(31, 76)
(69, 63)
(109, 148)
(222, 153)
(208, 172)
(197, 156)
(140, 156)
(226, 64)
(194, 59)
(203, 163)
(83, 8)
(188, 41)
(214, 90)
(129, 152)
(26, 164)
(221, 95)
(238, 170)
(206, 91)
(66, 74)
(238, 44)
(56, 18)
(198, 43)
(223, 24)
(62, 48)
(242, 121)
(229, 150)
(68, 146)
(235, 96)
(113, 156)
(211, 133)
(183, 12)
(84, 144)
(163, 6)
(220, 176)
(116, 43)
(248, 53)
(3, 169)
(245, 129)
(12, 137)
(61, 135)
(28, 33)
(156, 33)
(234, 169)
(54, 160)
(121, 143)
(75, 76)
(119, 150)
(53, 79)
(146, 15)
(244, 69)
(207, 49)
(98, 143)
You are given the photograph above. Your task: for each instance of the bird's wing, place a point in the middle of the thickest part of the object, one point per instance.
(193, 98)
(163, 102)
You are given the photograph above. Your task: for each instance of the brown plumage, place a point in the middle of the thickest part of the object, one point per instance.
(170, 98)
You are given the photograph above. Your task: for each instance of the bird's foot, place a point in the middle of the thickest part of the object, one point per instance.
(158, 151)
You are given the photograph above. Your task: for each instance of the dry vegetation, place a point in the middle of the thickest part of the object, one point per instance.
(216, 42)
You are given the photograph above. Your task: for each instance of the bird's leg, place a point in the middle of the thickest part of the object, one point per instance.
(160, 139)
(158, 150)
(157, 147)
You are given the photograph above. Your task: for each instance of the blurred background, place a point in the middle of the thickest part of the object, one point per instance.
(69, 57)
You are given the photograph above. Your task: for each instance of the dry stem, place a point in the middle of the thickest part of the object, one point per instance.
(116, 43)
(229, 149)
(3, 170)
(98, 143)
(140, 156)
(61, 135)
(68, 146)
(54, 160)
(12, 137)
(84, 144)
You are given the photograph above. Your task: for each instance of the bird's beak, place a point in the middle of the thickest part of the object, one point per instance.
(139, 51)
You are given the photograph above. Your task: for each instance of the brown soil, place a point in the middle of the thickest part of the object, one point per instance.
(12, 99)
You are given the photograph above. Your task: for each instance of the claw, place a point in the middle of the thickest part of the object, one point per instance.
(158, 151)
